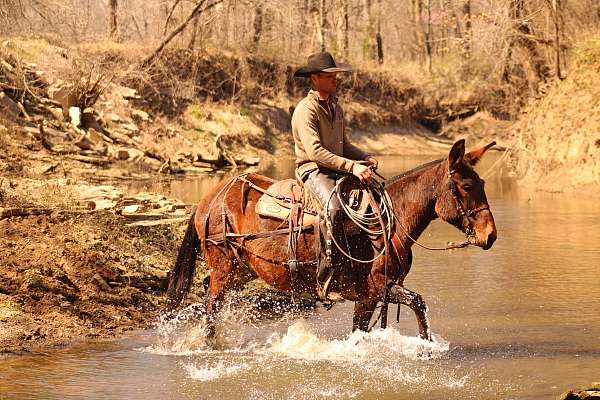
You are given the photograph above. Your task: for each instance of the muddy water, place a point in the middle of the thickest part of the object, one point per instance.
(521, 321)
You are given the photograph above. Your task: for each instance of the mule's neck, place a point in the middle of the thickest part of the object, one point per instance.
(414, 197)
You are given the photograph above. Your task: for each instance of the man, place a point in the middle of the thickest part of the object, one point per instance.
(324, 154)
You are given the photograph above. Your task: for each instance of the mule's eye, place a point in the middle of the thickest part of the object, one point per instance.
(467, 186)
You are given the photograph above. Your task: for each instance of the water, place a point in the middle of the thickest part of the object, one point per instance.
(520, 321)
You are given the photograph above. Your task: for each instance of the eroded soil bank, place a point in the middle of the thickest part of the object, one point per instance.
(74, 276)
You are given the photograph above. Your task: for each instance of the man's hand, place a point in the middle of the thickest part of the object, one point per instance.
(362, 172)
(372, 162)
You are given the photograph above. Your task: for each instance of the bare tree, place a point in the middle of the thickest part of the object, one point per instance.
(198, 9)
(258, 23)
(378, 37)
(468, 38)
(112, 19)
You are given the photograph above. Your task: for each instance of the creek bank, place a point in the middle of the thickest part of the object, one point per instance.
(591, 392)
(557, 140)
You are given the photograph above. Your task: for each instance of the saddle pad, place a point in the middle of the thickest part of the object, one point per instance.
(274, 210)
(269, 206)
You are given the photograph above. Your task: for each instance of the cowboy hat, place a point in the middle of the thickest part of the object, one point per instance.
(321, 62)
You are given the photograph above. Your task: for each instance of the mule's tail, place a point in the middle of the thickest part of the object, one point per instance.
(182, 274)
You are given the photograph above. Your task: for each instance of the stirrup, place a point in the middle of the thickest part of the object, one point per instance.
(324, 295)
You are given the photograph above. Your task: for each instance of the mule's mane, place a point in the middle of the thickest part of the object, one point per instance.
(415, 170)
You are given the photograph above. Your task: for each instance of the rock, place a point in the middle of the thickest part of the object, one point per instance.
(90, 192)
(112, 117)
(152, 162)
(131, 209)
(196, 170)
(126, 93)
(99, 281)
(57, 113)
(140, 116)
(63, 93)
(98, 137)
(8, 107)
(100, 204)
(131, 127)
(75, 116)
(592, 392)
(85, 142)
(247, 160)
(128, 154)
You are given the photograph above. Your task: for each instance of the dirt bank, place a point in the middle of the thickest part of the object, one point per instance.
(71, 277)
(557, 141)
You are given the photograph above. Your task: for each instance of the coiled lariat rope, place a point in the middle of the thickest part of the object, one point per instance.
(370, 222)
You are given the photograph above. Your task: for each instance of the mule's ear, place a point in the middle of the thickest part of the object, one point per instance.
(474, 156)
(457, 153)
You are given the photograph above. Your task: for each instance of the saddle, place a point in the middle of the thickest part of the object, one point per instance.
(279, 199)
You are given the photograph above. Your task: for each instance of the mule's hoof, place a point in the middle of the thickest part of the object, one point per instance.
(426, 336)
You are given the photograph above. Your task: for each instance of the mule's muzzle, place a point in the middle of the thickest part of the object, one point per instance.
(485, 231)
(490, 240)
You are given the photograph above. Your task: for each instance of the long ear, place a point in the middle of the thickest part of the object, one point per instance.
(474, 156)
(457, 152)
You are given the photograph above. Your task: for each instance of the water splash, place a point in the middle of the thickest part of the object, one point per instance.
(209, 373)
(380, 361)
(301, 343)
(185, 332)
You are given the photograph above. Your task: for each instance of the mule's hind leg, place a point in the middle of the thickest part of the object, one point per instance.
(225, 275)
(362, 315)
(399, 294)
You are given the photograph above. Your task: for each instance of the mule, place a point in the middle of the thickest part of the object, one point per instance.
(449, 189)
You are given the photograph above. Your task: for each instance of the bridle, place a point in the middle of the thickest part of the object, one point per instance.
(468, 213)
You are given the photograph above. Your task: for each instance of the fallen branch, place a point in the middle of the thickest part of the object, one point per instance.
(102, 162)
(23, 212)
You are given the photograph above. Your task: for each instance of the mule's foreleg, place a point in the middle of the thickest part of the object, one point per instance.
(362, 315)
(398, 294)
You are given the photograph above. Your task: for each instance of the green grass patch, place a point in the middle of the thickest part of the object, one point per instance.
(246, 112)
(196, 111)
(589, 52)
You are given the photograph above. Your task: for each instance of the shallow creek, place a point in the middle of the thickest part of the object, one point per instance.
(521, 321)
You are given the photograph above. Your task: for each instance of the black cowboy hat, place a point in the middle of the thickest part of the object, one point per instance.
(321, 62)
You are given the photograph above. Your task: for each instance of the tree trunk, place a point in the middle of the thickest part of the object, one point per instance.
(556, 8)
(467, 40)
(429, 39)
(345, 27)
(112, 19)
(369, 50)
(378, 38)
(258, 24)
(416, 9)
(192, 42)
(323, 23)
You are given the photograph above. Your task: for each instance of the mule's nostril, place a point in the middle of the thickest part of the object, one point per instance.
(490, 240)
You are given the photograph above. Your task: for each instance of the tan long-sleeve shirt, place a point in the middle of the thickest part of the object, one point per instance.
(321, 141)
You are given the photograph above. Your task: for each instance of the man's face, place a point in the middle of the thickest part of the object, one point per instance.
(325, 82)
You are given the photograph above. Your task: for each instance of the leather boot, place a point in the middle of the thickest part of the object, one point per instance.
(326, 267)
